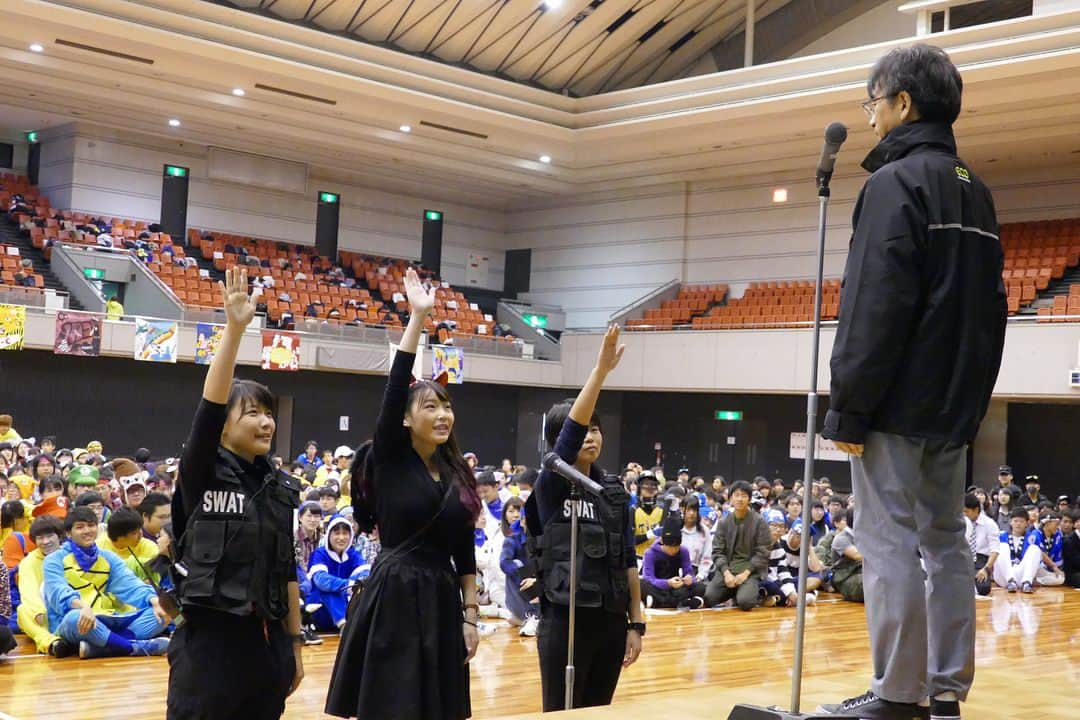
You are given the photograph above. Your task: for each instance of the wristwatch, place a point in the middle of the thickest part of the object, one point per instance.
(640, 627)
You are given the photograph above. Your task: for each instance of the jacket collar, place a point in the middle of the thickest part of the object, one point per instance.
(237, 467)
(905, 139)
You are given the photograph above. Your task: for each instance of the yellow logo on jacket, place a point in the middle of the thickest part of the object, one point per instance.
(962, 174)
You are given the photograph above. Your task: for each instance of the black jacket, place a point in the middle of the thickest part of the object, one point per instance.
(922, 307)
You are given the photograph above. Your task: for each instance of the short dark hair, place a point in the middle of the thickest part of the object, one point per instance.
(123, 522)
(971, 502)
(53, 482)
(741, 486)
(89, 498)
(329, 491)
(82, 514)
(927, 74)
(46, 525)
(849, 517)
(556, 418)
(243, 393)
(1019, 512)
(486, 478)
(152, 502)
(10, 512)
(526, 477)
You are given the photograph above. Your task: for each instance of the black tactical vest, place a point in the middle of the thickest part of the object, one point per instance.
(601, 561)
(236, 553)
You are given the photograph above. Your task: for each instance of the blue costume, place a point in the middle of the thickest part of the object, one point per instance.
(332, 576)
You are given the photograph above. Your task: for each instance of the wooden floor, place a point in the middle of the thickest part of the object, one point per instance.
(695, 665)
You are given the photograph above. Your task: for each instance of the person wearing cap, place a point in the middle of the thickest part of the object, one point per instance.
(53, 502)
(649, 513)
(740, 552)
(667, 575)
(1032, 496)
(1005, 480)
(1016, 561)
(131, 480)
(7, 432)
(1064, 504)
(781, 584)
(238, 653)
(94, 447)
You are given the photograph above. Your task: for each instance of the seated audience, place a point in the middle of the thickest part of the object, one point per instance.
(846, 561)
(667, 578)
(982, 536)
(93, 600)
(648, 514)
(1048, 539)
(1070, 547)
(1016, 561)
(333, 572)
(155, 510)
(47, 532)
(53, 501)
(740, 553)
(7, 634)
(124, 537)
(519, 570)
(696, 538)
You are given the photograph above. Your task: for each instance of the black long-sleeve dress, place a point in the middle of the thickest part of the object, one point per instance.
(402, 653)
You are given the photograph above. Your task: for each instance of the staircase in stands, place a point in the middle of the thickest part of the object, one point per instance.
(10, 235)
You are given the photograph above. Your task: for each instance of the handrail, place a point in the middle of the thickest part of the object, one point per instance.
(134, 258)
(627, 309)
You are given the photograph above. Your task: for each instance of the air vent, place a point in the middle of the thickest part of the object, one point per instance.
(683, 40)
(620, 21)
(652, 31)
(293, 93)
(104, 51)
(459, 131)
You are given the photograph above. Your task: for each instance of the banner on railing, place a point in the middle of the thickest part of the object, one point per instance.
(156, 340)
(280, 350)
(77, 334)
(449, 360)
(12, 326)
(207, 341)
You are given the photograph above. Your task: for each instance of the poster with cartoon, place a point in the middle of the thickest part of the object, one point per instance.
(449, 360)
(156, 340)
(77, 334)
(12, 327)
(280, 350)
(207, 341)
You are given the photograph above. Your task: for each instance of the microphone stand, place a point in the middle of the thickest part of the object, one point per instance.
(575, 501)
(751, 712)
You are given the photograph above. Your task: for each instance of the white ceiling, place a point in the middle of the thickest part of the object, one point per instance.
(182, 59)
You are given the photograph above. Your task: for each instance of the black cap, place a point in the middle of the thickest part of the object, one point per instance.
(1005, 470)
(648, 477)
(672, 532)
(1066, 498)
(1031, 480)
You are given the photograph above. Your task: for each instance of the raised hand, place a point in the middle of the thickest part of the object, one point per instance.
(235, 297)
(420, 300)
(611, 351)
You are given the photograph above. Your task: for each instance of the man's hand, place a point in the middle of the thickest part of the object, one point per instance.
(855, 449)
(472, 641)
(741, 578)
(159, 613)
(87, 620)
(729, 579)
(527, 583)
(675, 582)
(299, 658)
(982, 575)
(633, 648)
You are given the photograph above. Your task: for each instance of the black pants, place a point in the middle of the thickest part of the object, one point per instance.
(226, 666)
(670, 597)
(983, 588)
(1073, 579)
(599, 648)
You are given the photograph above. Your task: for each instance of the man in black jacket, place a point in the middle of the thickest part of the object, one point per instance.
(917, 351)
(1071, 548)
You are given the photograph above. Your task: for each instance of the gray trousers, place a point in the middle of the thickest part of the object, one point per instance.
(909, 495)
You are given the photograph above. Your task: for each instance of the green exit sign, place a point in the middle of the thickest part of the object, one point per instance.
(732, 415)
(176, 171)
(537, 321)
(31, 137)
(328, 198)
(94, 273)
(432, 215)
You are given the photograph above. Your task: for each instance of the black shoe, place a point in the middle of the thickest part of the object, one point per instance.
(944, 710)
(869, 706)
(310, 638)
(61, 648)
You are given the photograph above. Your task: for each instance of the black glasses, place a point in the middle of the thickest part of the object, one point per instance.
(870, 106)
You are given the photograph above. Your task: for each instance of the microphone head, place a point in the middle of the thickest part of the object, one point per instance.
(835, 134)
(549, 460)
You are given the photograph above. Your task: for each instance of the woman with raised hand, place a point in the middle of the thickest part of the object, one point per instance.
(237, 653)
(415, 621)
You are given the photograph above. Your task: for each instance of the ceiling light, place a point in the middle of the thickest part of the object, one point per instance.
(779, 195)
(37, 47)
(238, 92)
(405, 128)
(545, 158)
(552, 4)
(174, 122)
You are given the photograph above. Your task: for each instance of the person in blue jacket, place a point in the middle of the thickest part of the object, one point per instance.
(334, 568)
(512, 560)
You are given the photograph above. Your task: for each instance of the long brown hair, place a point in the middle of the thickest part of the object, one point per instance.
(448, 457)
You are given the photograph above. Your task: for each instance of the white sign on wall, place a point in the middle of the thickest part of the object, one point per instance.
(824, 450)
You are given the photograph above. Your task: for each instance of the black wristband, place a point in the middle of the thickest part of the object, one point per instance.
(640, 627)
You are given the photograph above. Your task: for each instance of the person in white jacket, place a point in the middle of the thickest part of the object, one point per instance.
(696, 537)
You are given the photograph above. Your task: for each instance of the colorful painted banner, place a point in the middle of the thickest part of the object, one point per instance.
(207, 341)
(280, 350)
(77, 334)
(449, 360)
(156, 340)
(12, 326)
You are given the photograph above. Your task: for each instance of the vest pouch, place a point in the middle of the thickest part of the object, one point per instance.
(203, 558)
(592, 570)
(238, 559)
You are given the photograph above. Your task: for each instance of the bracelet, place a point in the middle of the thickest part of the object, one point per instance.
(471, 606)
(468, 622)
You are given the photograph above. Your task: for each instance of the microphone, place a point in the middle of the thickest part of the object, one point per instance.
(557, 465)
(835, 135)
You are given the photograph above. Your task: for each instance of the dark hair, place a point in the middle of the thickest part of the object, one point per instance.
(10, 512)
(712, 495)
(311, 443)
(244, 393)
(971, 502)
(53, 482)
(329, 491)
(927, 74)
(46, 525)
(89, 498)
(691, 502)
(741, 486)
(817, 504)
(556, 418)
(526, 477)
(86, 515)
(448, 456)
(122, 522)
(312, 495)
(1018, 512)
(838, 499)
(486, 478)
(142, 455)
(849, 517)
(37, 461)
(152, 502)
(1073, 514)
(792, 497)
(514, 502)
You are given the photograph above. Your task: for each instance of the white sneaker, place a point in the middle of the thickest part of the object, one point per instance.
(529, 628)
(649, 601)
(811, 598)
